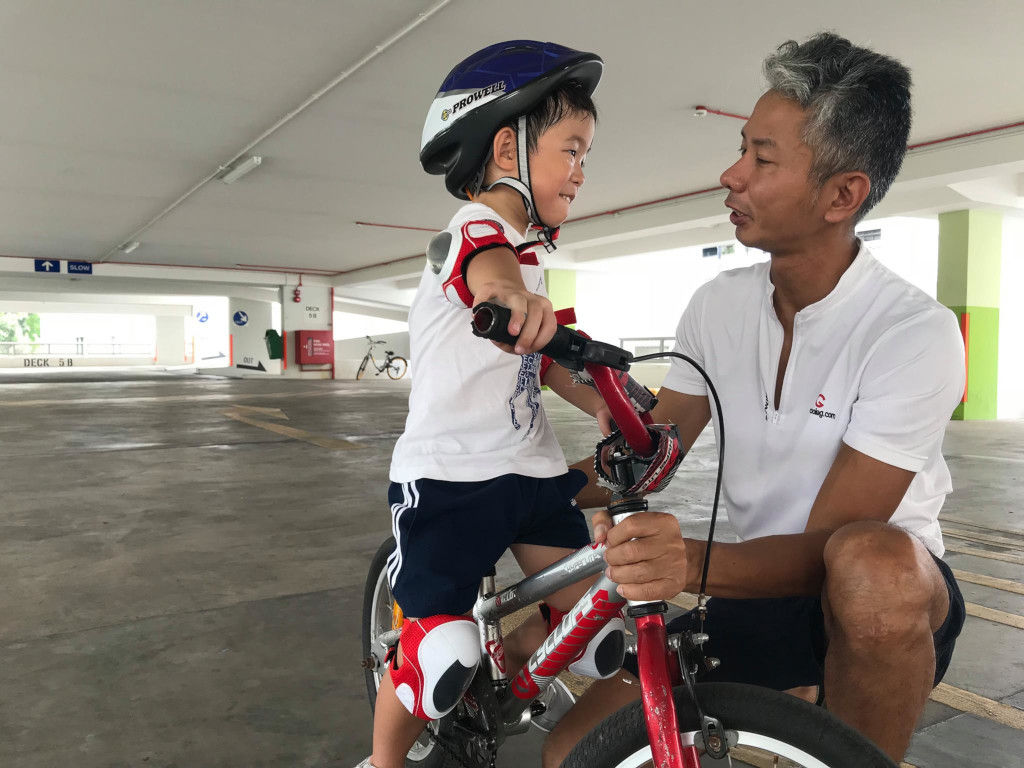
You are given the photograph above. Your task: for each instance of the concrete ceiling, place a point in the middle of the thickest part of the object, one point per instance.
(114, 110)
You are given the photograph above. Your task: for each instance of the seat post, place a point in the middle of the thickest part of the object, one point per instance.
(492, 643)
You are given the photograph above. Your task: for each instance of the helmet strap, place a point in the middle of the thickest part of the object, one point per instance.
(522, 186)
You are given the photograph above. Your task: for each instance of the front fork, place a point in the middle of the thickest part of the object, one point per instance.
(654, 662)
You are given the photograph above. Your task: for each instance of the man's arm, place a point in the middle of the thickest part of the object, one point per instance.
(660, 563)
(691, 413)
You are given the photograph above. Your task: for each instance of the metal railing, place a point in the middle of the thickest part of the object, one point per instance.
(648, 345)
(75, 349)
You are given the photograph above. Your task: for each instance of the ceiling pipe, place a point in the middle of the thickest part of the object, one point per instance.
(700, 110)
(393, 226)
(310, 100)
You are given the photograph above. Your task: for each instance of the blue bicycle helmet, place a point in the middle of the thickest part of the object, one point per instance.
(496, 86)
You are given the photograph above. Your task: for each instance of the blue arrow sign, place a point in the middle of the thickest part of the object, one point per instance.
(79, 268)
(240, 318)
(202, 317)
(48, 265)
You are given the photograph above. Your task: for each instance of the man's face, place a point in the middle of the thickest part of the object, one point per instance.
(770, 192)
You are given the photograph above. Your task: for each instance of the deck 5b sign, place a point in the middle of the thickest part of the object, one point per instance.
(49, 362)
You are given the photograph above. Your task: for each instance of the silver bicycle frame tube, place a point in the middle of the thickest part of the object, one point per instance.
(577, 629)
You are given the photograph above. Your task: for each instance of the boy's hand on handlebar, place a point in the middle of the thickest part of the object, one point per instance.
(646, 554)
(533, 318)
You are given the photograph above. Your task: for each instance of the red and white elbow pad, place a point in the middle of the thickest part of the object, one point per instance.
(449, 253)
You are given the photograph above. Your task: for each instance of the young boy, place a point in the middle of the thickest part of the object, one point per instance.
(478, 469)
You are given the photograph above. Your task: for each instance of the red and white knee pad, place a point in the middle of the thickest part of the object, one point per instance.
(603, 655)
(440, 656)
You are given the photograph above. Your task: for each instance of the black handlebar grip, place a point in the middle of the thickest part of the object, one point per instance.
(490, 321)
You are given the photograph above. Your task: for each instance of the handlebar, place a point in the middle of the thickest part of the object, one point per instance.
(572, 350)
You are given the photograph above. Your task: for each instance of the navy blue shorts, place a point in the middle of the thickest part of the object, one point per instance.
(780, 642)
(449, 535)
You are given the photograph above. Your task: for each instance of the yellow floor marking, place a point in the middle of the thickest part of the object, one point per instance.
(982, 538)
(993, 614)
(944, 518)
(274, 413)
(972, 703)
(215, 397)
(1004, 556)
(330, 443)
(989, 581)
(1007, 459)
(685, 601)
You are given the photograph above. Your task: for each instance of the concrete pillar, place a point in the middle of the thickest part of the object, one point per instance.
(248, 321)
(313, 312)
(170, 341)
(970, 257)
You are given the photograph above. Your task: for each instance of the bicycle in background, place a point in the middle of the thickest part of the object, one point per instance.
(394, 365)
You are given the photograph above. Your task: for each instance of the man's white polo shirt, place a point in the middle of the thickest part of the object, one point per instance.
(876, 364)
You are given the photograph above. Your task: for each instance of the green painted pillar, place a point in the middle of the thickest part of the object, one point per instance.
(561, 284)
(970, 255)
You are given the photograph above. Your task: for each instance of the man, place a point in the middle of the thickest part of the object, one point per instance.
(837, 380)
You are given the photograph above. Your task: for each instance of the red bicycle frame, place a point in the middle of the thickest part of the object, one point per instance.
(653, 656)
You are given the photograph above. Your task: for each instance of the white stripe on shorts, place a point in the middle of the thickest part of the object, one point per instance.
(412, 500)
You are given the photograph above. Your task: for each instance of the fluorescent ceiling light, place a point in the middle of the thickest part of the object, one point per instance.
(238, 170)
(129, 247)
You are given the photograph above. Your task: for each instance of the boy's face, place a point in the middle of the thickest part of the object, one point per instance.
(556, 166)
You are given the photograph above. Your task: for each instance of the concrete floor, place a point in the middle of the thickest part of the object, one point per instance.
(183, 584)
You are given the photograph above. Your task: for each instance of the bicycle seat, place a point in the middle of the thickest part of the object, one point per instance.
(389, 352)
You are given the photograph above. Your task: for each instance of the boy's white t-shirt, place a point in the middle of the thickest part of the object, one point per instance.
(475, 412)
(876, 364)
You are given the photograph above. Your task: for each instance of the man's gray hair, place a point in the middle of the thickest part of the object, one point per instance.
(858, 108)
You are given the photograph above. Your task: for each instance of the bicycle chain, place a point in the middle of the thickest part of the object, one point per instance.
(442, 742)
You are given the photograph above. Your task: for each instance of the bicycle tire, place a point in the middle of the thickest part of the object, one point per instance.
(362, 368)
(758, 715)
(393, 366)
(425, 754)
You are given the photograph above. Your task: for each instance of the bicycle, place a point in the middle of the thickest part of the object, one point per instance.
(394, 365)
(676, 720)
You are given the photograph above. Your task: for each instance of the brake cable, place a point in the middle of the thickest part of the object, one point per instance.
(702, 596)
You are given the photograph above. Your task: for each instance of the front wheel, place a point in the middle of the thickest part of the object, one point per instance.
(397, 367)
(379, 613)
(362, 368)
(764, 727)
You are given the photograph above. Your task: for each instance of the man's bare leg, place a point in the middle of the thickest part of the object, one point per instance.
(600, 700)
(883, 599)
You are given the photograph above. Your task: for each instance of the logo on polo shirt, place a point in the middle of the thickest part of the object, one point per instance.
(816, 410)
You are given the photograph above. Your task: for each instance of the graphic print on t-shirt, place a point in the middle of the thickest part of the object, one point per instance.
(526, 385)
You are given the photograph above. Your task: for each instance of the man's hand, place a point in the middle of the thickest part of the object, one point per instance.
(646, 554)
(604, 419)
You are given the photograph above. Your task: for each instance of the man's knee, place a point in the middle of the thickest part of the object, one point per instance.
(880, 583)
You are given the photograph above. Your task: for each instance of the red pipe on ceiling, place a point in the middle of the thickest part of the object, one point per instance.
(611, 212)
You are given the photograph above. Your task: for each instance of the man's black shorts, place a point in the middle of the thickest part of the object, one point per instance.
(780, 643)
